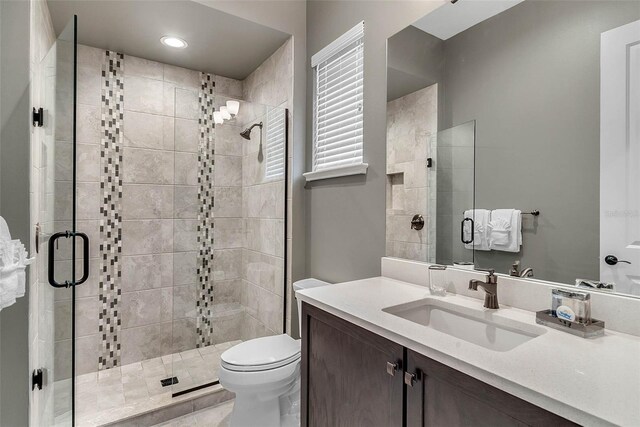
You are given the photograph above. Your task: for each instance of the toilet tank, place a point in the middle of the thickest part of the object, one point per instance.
(305, 284)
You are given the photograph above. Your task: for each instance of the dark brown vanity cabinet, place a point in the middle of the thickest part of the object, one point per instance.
(353, 377)
(441, 396)
(344, 374)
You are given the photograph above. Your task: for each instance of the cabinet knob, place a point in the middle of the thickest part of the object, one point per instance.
(409, 378)
(392, 368)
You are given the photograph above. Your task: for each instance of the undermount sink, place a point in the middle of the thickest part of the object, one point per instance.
(477, 326)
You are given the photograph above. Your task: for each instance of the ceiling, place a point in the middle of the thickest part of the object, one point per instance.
(451, 19)
(219, 43)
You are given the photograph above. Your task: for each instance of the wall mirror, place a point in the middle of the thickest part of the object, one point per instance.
(513, 140)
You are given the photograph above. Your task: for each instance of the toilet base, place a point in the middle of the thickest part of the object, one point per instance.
(252, 411)
(247, 412)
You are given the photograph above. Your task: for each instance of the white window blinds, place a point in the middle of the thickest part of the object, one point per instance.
(338, 90)
(276, 140)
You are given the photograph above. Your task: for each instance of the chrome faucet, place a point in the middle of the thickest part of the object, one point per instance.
(515, 270)
(490, 286)
(527, 272)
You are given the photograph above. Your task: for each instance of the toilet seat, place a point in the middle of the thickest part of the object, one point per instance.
(262, 354)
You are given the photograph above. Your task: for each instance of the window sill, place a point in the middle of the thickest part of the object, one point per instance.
(359, 169)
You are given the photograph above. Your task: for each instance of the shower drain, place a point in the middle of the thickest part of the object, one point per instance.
(169, 381)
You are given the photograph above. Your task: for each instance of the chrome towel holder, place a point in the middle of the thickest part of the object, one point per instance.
(534, 213)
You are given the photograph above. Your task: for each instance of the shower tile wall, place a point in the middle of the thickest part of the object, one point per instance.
(227, 315)
(159, 211)
(263, 257)
(153, 234)
(110, 296)
(411, 121)
(159, 208)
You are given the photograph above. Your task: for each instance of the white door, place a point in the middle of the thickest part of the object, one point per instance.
(620, 158)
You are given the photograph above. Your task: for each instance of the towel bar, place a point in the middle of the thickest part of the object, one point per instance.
(534, 213)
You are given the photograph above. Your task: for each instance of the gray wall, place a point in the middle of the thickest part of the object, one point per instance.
(345, 217)
(14, 202)
(415, 60)
(530, 78)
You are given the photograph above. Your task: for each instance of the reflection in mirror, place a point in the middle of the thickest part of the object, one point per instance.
(453, 154)
(411, 121)
(553, 90)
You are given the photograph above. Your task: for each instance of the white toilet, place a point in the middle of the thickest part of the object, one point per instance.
(264, 373)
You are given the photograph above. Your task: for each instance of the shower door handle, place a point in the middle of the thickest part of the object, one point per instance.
(85, 258)
(466, 242)
(51, 259)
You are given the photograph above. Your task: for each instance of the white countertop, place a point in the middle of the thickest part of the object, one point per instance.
(589, 381)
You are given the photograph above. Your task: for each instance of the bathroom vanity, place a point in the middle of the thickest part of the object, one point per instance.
(391, 383)
(384, 351)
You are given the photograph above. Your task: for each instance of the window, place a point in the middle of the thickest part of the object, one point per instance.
(337, 108)
(276, 140)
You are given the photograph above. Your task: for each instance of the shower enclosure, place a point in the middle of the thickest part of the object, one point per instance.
(228, 262)
(183, 222)
(61, 271)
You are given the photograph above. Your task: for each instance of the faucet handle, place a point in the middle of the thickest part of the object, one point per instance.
(491, 271)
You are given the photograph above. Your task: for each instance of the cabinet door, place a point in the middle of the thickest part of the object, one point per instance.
(442, 396)
(345, 378)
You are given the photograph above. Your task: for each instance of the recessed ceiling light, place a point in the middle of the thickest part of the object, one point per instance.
(176, 42)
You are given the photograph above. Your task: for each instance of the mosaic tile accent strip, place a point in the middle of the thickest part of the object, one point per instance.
(112, 117)
(206, 151)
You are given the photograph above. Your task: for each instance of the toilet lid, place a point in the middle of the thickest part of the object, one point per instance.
(262, 353)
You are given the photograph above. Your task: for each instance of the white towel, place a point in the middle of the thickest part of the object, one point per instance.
(505, 230)
(13, 261)
(481, 218)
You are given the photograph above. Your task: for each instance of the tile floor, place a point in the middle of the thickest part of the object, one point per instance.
(119, 393)
(216, 416)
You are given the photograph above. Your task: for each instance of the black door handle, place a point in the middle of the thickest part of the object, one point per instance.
(466, 242)
(85, 258)
(613, 260)
(51, 259)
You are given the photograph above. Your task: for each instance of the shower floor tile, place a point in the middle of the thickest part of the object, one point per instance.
(120, 393)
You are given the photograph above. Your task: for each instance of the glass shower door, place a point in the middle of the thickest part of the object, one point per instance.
(454, 152)
(61, 247)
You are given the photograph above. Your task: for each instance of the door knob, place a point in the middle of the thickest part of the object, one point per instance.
(613, 260)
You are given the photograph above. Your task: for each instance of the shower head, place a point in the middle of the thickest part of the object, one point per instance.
(246, 134)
